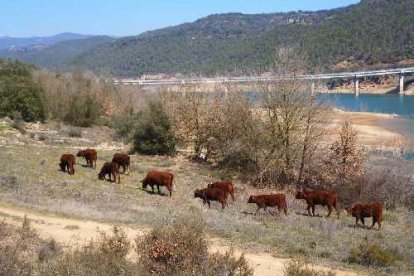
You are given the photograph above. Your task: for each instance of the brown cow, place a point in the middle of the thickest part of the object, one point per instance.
(158, 178)
(123, 160)
(212, 194)
(319, 197)
(67, 161)
(110, 168)
(264, 201)
(226, 186)
(90, 156)
(361, 211)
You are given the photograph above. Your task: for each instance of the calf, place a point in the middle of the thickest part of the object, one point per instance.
(110, 168)
(158, 178)
(90, 156)
(212, 194)
(361, 211)
(226, 186)
(123, 160)
(319, 197)
(264, 201)
(67, 161)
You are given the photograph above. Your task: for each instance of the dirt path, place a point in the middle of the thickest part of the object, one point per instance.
(72, 232)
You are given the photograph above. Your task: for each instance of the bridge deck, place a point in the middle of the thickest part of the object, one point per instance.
(345, 75)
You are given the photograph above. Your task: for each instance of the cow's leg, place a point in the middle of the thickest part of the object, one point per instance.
(373, 222)
(204, 202)
(329, 210)
(279, 209)
(258, 208)
(152, 188)
(208, 202)
(356, 220)
(232, 197)
(170, 190)
(158, 188)
(223, 204)
(313, 210)
(308, 208)
(363, 221)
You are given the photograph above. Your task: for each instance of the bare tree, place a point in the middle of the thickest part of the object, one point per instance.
(346, 157)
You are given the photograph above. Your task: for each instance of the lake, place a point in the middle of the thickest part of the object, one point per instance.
(388, 104)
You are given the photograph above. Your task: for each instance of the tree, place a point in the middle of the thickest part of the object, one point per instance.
(346, 156)
(292, 120)
(19, 92)
(154, 134)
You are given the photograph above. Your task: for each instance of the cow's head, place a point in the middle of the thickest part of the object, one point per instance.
(300, 195)
(251, 200)
(80, 153)
(101, 176)
(144, 183)
(210, 185)
(198, 193)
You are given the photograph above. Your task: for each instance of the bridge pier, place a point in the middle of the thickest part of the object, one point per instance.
(401, 84)
(356, 86)
(313, 88)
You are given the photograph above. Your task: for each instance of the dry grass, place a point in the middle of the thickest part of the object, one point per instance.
(41, 186)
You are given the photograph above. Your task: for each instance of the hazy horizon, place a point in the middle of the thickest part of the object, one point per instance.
(26, 18)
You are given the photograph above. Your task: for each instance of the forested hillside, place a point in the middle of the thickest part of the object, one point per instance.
(373, 33)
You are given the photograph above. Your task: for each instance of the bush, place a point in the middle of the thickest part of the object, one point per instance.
(390, 187)
(371, 254)
(83, 111)
(181, 249)
(154, 133)
(177, 250)
(301, 268)
(106, 256)
(20, 93)
(126, 123)
(18, 121)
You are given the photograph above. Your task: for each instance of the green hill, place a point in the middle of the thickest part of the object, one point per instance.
(373, 33)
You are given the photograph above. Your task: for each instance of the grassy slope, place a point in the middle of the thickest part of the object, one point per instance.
(41, 186)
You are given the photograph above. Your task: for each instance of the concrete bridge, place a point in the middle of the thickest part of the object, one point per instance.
(355, 76)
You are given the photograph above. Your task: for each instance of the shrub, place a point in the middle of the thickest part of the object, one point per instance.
(390, 187)
(83, 111)
(301, 268)
(18, 121)
(106, 256)
(20, 93)
(371, 254)
(126, 123)
(181, 249)
(154, 133)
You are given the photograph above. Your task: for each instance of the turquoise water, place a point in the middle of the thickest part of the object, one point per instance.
(388, 104)
(403, 106)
